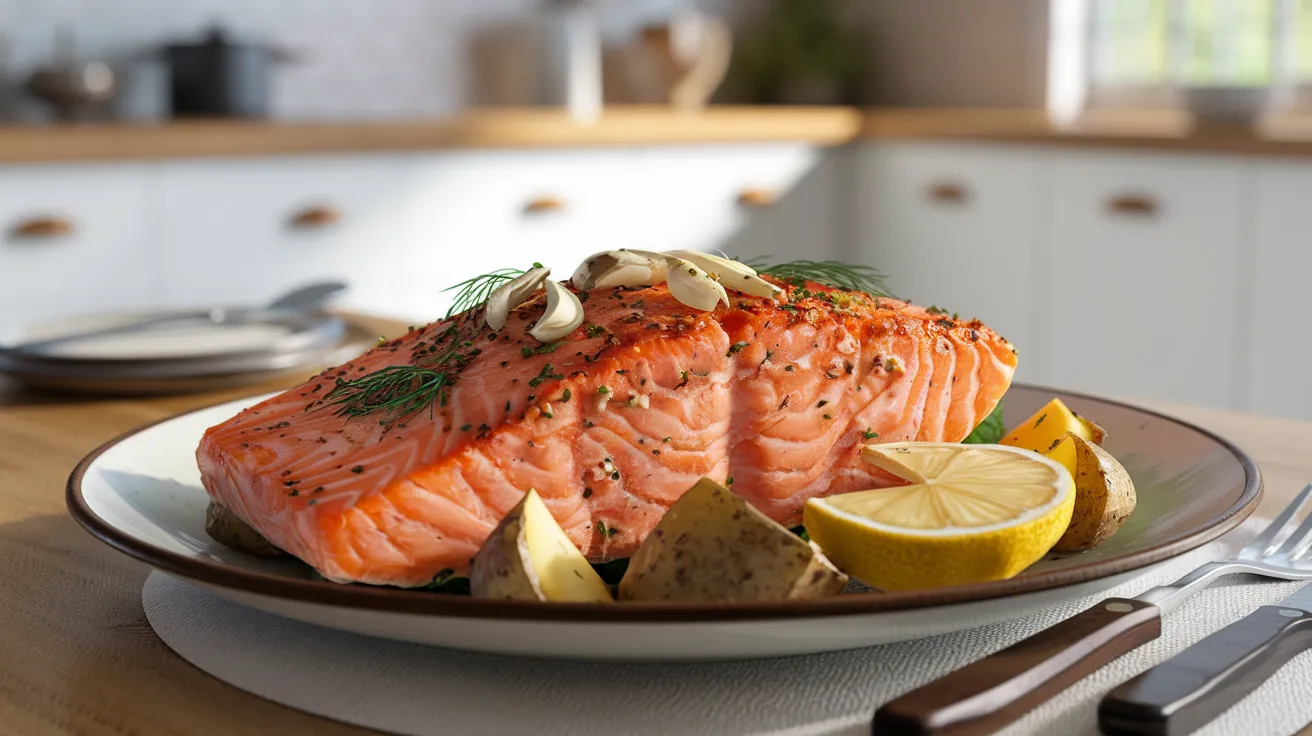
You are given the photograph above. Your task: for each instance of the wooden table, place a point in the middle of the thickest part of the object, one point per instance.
(76, 652)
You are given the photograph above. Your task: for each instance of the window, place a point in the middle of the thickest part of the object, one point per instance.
(1144, 43)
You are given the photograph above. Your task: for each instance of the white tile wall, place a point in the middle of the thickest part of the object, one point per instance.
(361, 58)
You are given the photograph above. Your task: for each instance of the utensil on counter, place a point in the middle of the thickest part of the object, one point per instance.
(71, 87)
(1190, 689)
(298, 301)
(693, 53)
(988, 694)
(573, 59)
(222, 77)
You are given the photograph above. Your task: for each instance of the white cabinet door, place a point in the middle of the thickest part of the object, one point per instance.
(779, 200)
(956, 226)
(242, 231)
(1143, 281)
(1278, 353)
(73, 239)
(472, 212)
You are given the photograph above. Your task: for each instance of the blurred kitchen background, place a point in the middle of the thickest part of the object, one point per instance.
(1120, 187)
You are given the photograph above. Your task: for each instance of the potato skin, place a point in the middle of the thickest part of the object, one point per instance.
(501, 568)
(228, 529)
(1104, 498)
(713, 546)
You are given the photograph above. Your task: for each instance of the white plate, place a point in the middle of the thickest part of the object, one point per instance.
(142, 495)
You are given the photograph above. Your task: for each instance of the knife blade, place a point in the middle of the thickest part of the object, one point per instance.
(1188, 690)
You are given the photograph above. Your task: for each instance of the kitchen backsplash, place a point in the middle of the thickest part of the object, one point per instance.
(358, 58)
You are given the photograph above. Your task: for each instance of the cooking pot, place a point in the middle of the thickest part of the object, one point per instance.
(219, 77)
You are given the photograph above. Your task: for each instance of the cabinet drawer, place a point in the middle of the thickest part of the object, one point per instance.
(242, 231)
(1144, 294)
(956, 226)
(1277, 352)
(474, 212)
(74, 239)
(774, 200)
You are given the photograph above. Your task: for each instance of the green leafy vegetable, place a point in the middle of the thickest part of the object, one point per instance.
(611, 572)
(447, 582)
(990, 431)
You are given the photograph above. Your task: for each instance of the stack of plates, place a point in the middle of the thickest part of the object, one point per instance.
(186, 355)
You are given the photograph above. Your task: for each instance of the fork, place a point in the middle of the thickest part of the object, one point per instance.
(996, 690)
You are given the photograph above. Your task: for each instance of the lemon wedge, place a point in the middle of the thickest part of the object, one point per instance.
(1047, 426)
(969, 513)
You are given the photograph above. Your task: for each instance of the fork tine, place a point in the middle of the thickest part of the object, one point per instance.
(1297, 537)
(1263, 541)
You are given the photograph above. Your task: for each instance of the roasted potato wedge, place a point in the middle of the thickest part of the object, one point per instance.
(1104, 493)
(228, 529)
(528, 557)
(713, 546)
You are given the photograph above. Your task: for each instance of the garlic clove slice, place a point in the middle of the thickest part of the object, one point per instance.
(693, 286)
(732, 274)
(511, 294)
(564, 314)
(620, 268)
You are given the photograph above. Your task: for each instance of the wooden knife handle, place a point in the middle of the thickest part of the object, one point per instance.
(984, 696)
(1187, 691)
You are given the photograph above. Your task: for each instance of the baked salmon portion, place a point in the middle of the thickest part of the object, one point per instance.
(396, 466)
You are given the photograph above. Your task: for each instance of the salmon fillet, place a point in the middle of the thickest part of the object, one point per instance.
(610, 424)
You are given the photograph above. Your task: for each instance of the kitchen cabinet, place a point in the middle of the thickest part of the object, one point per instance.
(1273, 272)
(74, 239)
(243, 231)
(473, 212)
(957, 226)
(776, 200)
(1143, 299)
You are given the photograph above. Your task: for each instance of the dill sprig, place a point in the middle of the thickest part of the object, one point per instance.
(397, 391)
(831, 273)
(473, 293)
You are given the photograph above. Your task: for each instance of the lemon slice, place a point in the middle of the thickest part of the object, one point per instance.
(969, 513)
(1046, 427)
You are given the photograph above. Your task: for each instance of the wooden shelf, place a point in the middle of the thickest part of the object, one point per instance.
(641, 126)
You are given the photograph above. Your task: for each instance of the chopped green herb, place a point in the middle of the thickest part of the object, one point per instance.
(564, 396)
(545, 375)
(737, 347)
(358, 469)
(869, 435)
(466, 427)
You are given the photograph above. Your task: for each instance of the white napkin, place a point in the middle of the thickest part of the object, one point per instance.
(412, 689)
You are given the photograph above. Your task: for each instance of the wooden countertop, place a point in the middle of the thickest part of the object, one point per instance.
(79, 656)
(640, 126)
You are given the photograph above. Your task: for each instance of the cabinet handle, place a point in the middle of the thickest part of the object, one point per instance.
(1132, 204)
(544, 205)
(41, 228)
(316, 217)
(948, 193)
(757, 198)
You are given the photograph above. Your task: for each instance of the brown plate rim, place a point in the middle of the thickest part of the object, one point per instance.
(404, 601)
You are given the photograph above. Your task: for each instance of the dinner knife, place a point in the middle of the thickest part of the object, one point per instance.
(992, 692)
(1187, 691)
